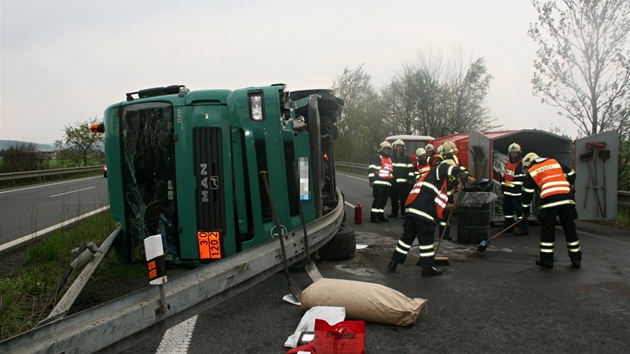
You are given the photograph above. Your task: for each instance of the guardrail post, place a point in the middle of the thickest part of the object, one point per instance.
(157, 268)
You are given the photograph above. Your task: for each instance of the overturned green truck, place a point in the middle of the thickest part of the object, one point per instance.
(187, 165)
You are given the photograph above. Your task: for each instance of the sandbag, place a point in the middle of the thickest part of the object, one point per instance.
(364, 301)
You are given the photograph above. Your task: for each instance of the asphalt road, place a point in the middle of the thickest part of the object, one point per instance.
(27, 210)
(495, 302)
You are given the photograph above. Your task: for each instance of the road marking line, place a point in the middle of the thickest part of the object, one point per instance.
(177, 338)
(362, 179)
(45, 185)
(49, 229)
(78, 190)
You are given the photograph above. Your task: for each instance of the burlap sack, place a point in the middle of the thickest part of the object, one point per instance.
(364, 301)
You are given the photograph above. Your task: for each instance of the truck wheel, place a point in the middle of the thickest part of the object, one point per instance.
(343, 245)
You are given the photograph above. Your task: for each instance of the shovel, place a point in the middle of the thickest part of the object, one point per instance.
(597, 148)
(294, 288)
(310, 267)
(592, 179)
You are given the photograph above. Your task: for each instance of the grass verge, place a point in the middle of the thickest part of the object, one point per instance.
(30, 276)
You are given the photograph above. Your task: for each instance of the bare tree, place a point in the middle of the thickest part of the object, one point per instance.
(583, 66)
(437, 97)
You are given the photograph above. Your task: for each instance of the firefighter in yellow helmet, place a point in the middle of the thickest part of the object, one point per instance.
(447, 155)
(381, 176)
(511, 186)
(404, 177)
(553, 180)
(423, 208)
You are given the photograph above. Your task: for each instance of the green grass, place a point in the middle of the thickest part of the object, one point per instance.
(27, 289)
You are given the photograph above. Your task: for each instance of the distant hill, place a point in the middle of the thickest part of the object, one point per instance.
(5, 144)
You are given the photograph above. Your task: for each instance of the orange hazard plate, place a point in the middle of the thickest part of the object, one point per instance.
(209, 244)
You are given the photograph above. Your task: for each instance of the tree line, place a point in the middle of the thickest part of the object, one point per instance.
(78, 147)
(582, 67)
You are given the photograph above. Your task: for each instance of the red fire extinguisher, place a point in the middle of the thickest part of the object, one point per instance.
(357, 213)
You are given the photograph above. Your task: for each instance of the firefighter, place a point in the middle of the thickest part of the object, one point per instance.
(424, 206)
(511, 186)
(432, 157)
(451, 154)
(403, 178)
(422, 165)
(554, 181)
(447, 153)
(380, 174)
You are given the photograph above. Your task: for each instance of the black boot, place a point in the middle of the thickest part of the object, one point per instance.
(392, 215)
(575, 262)
(374, 218)
(392, 266)
(432, 271)
(545, 263)
(382, 218)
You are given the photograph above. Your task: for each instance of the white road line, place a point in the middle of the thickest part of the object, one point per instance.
(177, 338)
(75, 191)
(49, 229)
(45, 185)
(359, 178)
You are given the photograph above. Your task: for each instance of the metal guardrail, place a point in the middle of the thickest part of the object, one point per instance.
(360, 166)
(623, 197)
(113, 326)
(14, 176)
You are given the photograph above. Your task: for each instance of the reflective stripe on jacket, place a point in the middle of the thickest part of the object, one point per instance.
(549, 176)
(381, 170)
(553, 178)
(422, 169)
(403, 168)
(429, 196)
(513, 178)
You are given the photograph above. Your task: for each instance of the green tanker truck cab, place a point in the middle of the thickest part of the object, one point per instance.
(186, 165)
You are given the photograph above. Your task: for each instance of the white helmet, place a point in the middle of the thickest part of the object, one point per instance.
(421, 152)
(514, 147)
(429, 147)
(529, 158)
(384, 144)
(440, 150)
(449, 147)
(398, 142)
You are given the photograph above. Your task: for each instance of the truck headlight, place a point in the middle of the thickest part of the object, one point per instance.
(256, 110)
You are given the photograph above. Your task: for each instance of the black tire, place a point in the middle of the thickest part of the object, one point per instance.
(343, 245)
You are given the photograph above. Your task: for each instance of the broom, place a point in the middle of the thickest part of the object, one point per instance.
(484, 244)
(443, 261)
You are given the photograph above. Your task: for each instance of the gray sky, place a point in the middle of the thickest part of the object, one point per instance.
(65, 61)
